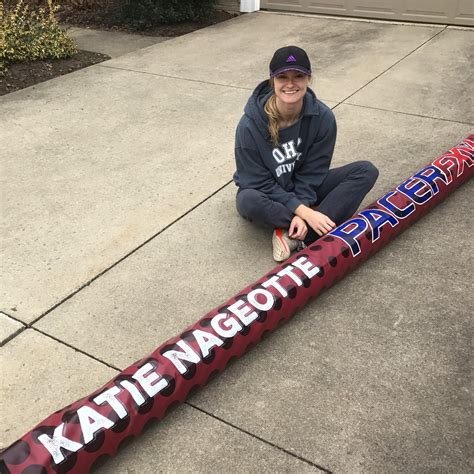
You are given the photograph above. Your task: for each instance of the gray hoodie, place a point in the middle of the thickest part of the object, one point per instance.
(291, 172)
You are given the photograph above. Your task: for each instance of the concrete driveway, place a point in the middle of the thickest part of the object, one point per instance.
(120, 230)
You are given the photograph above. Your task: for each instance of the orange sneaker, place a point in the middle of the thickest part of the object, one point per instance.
(283, 245)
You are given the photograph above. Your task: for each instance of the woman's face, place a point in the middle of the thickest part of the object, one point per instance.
(290, 86)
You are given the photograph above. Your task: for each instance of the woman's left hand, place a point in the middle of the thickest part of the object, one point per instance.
(298, 228)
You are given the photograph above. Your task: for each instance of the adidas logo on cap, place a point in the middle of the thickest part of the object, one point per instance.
(290, 58)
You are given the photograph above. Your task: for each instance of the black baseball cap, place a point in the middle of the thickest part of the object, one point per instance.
(290, 58)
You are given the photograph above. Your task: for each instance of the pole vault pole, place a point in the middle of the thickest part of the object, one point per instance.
(71, 439)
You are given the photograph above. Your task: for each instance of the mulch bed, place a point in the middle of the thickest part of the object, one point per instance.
(21, 75)
(101, 19)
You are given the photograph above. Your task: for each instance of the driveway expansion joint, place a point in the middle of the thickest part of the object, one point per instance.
(13, 317)
(174, 77)
(12, 336)
(15, 332)
(393, 65)
(406, 113)
(263, 440)
(76, 349)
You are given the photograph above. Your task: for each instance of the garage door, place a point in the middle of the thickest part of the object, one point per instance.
(454, 12)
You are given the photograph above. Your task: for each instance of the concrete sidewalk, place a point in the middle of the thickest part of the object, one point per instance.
(111, 43)
(120, 230)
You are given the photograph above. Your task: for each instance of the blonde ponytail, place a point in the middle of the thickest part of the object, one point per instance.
(274, 118)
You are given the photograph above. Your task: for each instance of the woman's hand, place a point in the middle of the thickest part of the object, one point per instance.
(318, 221)
(298, 228)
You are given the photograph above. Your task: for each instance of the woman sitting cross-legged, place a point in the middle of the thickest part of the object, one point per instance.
(283, 149)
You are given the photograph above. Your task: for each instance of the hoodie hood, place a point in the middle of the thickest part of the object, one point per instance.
(254, 109)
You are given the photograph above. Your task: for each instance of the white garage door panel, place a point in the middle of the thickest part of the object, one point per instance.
(464, 14)
(330, 8)
(369, 6)
(428, 6)
(292, 5)
(458, 12)
(387, 10)
(339, 6)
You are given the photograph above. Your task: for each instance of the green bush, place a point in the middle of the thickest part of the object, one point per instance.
(142, 14)
(28, 34)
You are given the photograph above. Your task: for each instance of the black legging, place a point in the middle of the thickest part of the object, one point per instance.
(338, 197)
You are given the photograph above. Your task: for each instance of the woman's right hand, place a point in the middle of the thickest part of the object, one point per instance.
(318, 221)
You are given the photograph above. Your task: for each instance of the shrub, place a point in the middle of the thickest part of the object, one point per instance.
(142, 14)
(28, 34)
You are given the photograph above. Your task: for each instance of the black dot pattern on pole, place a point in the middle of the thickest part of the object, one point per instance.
(147, 406)
(187, 335)
(245, 330)
(292, 291)
(169, 390)
(70, 417)
(96, 443)
(278, 303)
(121, 424)
(228, 343)
(34, 469)
(17, 453)
(68, 463)
(332, 261)
(210, 357)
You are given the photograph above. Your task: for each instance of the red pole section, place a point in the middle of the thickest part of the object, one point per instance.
(71, 439)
